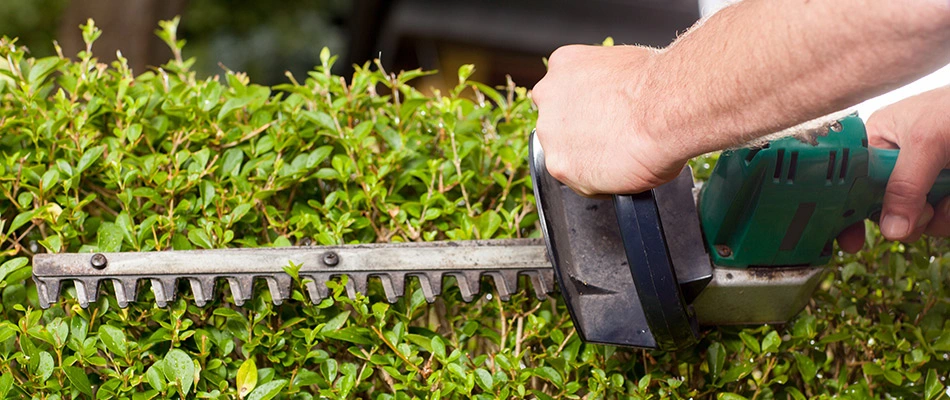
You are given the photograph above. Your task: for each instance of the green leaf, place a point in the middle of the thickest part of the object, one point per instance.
(21, 219)
(246, 377)
(750, 342)
(42, 68)
(306, 378)
(550, 374)
(894, 377)
(7, 331)
(109, 237)
(872, 369)
(78, 379)
(114, 339)
(12, 265)
(207, 193)
(321, 118)
(89, 157)
(771, 342)
(59, 330)
(932, 386)
(806, 367)
(238, 212)
(231, 166)
(155, 376)
(6, 383)
(179, 368)
(233, 104)
(465, 71)
(730, 396)
(50, 178)
(318, 155)
(716, 359)
(329, 369)
(44, 368)
(268, 390)
(796, 394)
(200, 238)
(335, 323)
(488, 223)
(350, 334)
(484, 379)
(438, 347)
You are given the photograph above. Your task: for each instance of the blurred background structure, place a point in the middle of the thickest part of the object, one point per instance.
(266, 39)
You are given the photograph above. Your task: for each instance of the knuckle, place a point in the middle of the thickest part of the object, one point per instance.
(562, 54)
(557, 168)
(538, 93)
(904, 193)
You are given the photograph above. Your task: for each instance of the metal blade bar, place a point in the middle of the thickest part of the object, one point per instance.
(504, 260)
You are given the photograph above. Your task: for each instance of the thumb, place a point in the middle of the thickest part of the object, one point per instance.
(914, 174)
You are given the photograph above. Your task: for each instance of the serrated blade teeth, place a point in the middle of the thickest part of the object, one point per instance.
(241, 288)
(545, 283)
(279, 286)
(86, 291)
(431, 288)
(125, 291)
(317, 287)
(164, 290)
(542, 285)
(504, 260)
(203, 289)
(469, 284)
(392, 287)
(356, 283)
(47, 291)
(506, 283)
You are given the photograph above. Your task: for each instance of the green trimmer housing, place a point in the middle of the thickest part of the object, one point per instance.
(784, 203)
(645, 270)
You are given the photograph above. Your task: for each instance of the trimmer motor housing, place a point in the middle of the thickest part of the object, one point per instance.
(645, 270)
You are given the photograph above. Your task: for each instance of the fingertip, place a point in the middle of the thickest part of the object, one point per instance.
(851, 240)
(895, 226)
(940, 223)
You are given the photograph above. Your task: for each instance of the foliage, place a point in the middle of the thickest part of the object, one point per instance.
(95, 159)
(35, 21)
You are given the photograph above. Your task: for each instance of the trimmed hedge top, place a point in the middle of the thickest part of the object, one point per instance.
(96, 158)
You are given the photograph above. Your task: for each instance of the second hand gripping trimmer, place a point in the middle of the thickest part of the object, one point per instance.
(643, 270)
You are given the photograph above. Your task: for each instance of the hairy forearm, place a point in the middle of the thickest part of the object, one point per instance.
(761, 66)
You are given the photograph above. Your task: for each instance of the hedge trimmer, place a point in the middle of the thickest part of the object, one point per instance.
(638, 270)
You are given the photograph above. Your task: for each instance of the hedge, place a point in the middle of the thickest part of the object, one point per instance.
(98, 158)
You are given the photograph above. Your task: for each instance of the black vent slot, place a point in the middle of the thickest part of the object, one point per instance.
(832, 157)
(751, 155)
(844, 164)
(779, 162)
(793, 166)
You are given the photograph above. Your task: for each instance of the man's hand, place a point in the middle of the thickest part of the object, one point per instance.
(598, 121)
(920, 127)
(626, 119)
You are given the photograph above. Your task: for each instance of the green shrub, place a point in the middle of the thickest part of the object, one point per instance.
(95, 158)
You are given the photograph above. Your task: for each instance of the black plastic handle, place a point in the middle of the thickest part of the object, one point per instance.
(670, 318)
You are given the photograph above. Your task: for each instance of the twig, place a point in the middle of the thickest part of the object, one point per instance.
(518, 331)
(398, 353)
(564, 343)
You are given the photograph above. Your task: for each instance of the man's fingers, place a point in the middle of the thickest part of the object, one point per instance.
(925, 217)
(851, 239)
(940, 224)
(914, 174)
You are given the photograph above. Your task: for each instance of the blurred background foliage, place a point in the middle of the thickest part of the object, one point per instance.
(502, 38)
